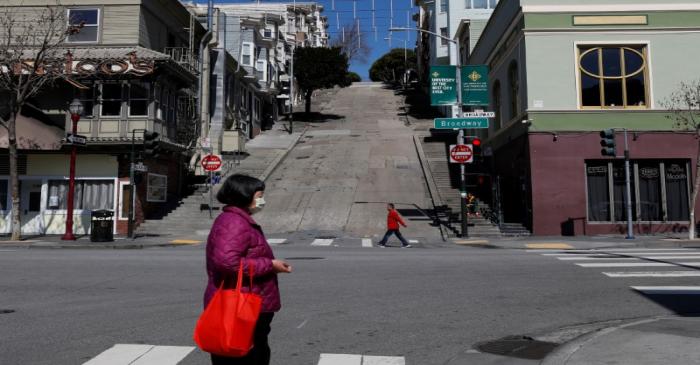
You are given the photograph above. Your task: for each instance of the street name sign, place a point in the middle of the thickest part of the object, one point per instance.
(461, 153)
(76, 139)
(461, 123)
(480, 114)
(211, 163)
(140, 167)
(475, 85)
(443, 85)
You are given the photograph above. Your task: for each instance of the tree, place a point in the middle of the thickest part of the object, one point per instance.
(353, 43)
(32, 58)
(354, 77)
(318, 68)
(391, 66)
(684, 105)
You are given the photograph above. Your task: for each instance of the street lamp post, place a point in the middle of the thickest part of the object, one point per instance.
(460, 137)
(405, 57)
(76, 110)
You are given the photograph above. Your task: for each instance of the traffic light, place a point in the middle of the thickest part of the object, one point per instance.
(608, 143)
(151, 145)
(476, 147)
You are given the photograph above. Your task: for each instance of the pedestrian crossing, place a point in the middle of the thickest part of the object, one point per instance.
(349, 359)
(139, 354)
(333, 242)
(646, 264)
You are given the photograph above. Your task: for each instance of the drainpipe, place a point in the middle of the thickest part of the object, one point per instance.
(204, 79)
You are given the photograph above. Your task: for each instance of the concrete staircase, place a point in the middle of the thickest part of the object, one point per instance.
(189, 218)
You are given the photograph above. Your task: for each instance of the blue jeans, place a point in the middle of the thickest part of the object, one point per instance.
(398, 235)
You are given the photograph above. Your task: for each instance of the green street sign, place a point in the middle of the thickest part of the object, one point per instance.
(461, 123)
(443, 85)
(475, 85)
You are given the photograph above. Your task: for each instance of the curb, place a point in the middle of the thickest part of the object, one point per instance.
(273, 166)
(564, 352)
(428, 176)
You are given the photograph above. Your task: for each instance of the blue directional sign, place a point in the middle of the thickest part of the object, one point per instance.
(462, 123)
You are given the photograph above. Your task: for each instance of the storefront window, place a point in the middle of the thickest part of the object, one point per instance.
(613, 76)
(4, 205)
(620, 193)
(598, 192)
(649, 174)
(677, 191)
(89, 194)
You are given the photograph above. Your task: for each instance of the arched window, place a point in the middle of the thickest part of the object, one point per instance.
(497, 105)
(613, 77)
(514, 83)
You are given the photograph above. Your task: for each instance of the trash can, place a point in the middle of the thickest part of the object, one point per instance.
(102, 226)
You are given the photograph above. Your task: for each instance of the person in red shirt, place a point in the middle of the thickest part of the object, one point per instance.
(393, 220)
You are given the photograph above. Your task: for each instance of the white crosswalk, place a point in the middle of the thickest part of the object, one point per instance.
(349, 359)
(671, 263)
(328, 242)
(129, 354)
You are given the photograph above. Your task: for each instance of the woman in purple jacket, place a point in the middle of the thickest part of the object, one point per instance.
(234, 237)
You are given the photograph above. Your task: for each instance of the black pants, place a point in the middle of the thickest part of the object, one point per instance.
(259, 354)
(398, 235)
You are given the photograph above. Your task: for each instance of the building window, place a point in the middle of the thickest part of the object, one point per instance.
(443, 32)
(89, 194)
(172, 116)
(157, 190)
(158, 102)
(89, 19)
(138, 99)
(261, 70)
(659, 191)
(247, 54)
(87, 97)
(497, 105)
(514, 83)
(164, 104)
(3, 195)
(480, 4)
(443, 6)
(125, 201)
(613, 76)
(111, 100)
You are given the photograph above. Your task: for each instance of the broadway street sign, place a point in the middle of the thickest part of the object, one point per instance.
(475, 85)
(76, 139)
(461, 123)
(443, 85)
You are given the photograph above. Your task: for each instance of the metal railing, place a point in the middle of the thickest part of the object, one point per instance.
(182, 56)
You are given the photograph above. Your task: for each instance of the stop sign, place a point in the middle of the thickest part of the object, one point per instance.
(461, 153)
(211, 163)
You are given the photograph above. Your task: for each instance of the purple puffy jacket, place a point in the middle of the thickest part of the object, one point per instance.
(235, 236)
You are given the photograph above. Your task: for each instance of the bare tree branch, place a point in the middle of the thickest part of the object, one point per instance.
(352, 43)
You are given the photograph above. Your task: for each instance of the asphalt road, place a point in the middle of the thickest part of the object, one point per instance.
(424, 304)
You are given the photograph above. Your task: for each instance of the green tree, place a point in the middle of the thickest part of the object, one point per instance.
(353, 77)
(319, 68)
(391, 66)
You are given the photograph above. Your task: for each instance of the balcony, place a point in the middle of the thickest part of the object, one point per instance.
(184, 58)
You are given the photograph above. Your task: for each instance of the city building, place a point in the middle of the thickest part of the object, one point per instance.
(137, 64)
(560, 72)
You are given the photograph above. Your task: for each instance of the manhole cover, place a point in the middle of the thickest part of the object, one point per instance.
(518, 346)
(304, 258)
(6, 311)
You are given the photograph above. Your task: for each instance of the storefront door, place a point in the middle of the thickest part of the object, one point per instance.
(30, 207)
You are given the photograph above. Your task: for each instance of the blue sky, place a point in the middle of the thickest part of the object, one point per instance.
(340, 12)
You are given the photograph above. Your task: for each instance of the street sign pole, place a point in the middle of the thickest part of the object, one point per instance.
(628, 200)
(211, 193)
(460, 140)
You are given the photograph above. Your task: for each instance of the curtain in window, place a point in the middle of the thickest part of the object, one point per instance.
(620, 191)
(650, 191)
(3, 195)
(89, 194)
(598, 193)
(677, 192)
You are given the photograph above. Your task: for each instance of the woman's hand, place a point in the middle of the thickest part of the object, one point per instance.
(281, 266)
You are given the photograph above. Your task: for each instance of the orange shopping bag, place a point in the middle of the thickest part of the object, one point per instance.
(226, 326)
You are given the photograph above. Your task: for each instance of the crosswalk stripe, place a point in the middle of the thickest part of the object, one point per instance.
(652, 274)
(276, 241)
(628, 258)
(349, 359)
(592, 254)
(413, 241)
(614, 250)
(366, 242)
(322, 242)
(637, 264)
(127, 354)
(668, 289)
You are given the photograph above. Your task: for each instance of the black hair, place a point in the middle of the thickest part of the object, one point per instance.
(391, 205)
(239, 190)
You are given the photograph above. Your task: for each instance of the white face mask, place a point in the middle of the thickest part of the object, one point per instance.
(259, 204)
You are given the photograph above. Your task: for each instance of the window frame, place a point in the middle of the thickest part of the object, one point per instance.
(471, 5)
(251, 47)
(5, 204)
(101, 99)
(98, 25)
(261, 66)
(444, 42)
(647, 71)
(79, 180)
(149, 197)
(444, 6)
(147, 86)
(120, 204)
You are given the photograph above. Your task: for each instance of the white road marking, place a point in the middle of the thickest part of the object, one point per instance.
(322, 242)
(668, 289)
(347, 359)
(413, 241)
(638, 264)
(595, 254)
(125, 354)
(276, 241)
(302, 324)
(628, 258)
(603, 250)
(652, 274)
(8, 250)
(366, 242)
